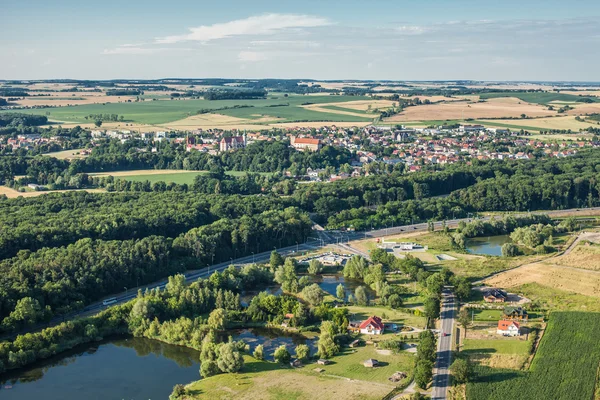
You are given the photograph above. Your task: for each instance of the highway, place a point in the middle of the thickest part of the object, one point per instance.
(324, 238)
(441, 373)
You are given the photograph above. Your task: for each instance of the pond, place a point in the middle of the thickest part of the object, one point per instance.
(491, 245)
(130, 369)
(273, 338)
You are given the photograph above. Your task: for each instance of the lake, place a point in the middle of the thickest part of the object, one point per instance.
(491, 245)
(130, 369)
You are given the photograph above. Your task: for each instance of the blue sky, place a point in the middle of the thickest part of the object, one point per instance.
(399, 40)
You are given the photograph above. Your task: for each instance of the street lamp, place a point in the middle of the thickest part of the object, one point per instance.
(252, 257)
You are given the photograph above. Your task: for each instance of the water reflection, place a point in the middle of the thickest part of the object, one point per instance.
(133, 369)
(491, 245)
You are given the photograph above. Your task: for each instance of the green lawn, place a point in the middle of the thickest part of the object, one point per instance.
(396, 316)
(499, 346)
(349, 364)
(556, 299)
(164, 111)
(176, 177)
(270, 381)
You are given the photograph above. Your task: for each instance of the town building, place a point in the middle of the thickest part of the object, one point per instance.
(232, 143)
(372, 326)
(305, 143)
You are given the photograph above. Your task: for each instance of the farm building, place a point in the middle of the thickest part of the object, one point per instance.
(323, 361)
(372, 326)
(295, 363)
(495, 296)
(515, 313)
(508, 328)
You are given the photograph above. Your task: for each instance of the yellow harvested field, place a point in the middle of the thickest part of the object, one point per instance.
(143, 172)
(585, 108)
(11, 193)
(216, 121)
(78, 99)
(359, 105)
(583, 92)
(316, 124)
(558, 277)
(111, 125)
(492, 108)
(564, 122)
(510, 361)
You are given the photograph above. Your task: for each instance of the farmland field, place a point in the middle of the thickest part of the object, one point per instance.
(564, 367)
(493, 108)
(285, 109)
(537, 97)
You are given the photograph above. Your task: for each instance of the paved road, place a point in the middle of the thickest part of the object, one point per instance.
(441, 373)
(324, 238)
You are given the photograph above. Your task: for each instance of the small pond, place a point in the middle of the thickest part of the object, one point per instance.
(491, 245)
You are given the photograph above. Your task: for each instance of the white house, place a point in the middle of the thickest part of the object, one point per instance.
(372, 326)
(508, 328)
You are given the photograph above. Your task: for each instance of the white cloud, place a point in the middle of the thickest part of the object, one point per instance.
(128, 49)
(411, 30)
(251, 56)
(287, 43)
(267, 24)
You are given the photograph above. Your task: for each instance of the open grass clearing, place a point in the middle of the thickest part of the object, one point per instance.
(264, 380)
(358, 313)
(557, 299)
(165, 175)
(11, 193)
(66, 154)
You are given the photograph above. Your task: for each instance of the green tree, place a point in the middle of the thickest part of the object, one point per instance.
(276, 259)
(461, 370)
(423, 373)
(361, 296)
(259, 352)
(230, 360)
(463, 319)
(326, 346)
(217, 319)
(315, 267)
(313, 294)
(394, 301)
(340, 292)
(282, 355)
(302, 352)
(431, 307)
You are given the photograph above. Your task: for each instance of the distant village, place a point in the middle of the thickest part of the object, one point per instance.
(412, 147)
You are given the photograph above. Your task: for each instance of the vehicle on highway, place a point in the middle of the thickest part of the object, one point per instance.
(110, 301)
(445, 334)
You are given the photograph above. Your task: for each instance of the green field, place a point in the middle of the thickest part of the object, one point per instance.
(538, 97)
(563, 368)
(177, 177)
(499, 346)
(164, 111)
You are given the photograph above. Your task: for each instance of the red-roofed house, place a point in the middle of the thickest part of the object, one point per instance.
(372, 326)
(306, 143)
(508, 328)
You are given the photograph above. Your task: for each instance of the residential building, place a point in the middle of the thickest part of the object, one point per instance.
(508, 328)
(372, 326)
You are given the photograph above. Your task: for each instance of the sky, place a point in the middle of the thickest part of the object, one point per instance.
(493, 40)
